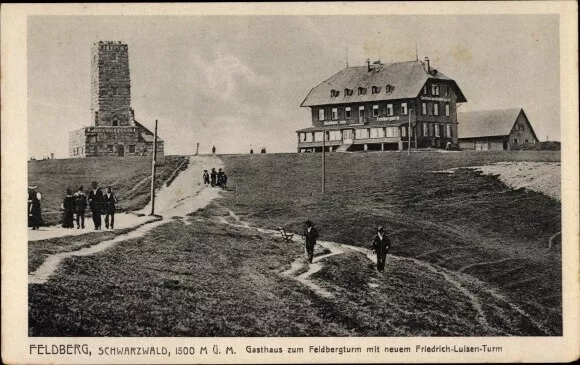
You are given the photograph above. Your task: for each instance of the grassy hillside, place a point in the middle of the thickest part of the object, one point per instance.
(463, 222)
(129, 177)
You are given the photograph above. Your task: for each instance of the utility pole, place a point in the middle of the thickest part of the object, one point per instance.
(409, 132)
(323, 161)
(153, 167)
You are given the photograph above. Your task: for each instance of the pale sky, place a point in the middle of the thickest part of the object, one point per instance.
(238, 81)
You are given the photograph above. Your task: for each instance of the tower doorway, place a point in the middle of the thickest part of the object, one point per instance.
(121, 150)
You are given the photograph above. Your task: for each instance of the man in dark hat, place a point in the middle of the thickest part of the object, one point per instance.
(109, 200)
(381, 245)
(213, 177)
(95, 198)
(205, 178)
(220, 177)
(310, 235)
(80, 207)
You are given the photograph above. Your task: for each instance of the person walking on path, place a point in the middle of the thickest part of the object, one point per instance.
(310, 235)
(213, 150)
(110, 200)
(34, 211)
(95, 199)
(80, 207)
(213, 177)
(381, 245)
(220, 177)
(205, 178)
(69, 210)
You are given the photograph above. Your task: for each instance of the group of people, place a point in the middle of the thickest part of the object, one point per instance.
(99, 203)
(215, 178)
(75, 205)
(381, 244)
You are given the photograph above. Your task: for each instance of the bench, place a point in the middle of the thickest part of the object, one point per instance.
(286, 236)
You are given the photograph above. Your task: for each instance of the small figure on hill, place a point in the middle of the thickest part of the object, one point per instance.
(263, 150)
(251, 151)
(69, 210)
(95, 198)
(80, 207)
(205, 178)
(310, 235)
(220, 177)
(109, 204)
(224, 181)
(213, 177)
(213, 150)
(381, 245)
(34, 211)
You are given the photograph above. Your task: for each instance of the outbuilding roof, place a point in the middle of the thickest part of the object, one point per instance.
(487, 123)
(406, 79)
(145, 134)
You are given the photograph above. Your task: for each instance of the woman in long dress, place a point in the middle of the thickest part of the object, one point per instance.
(69, 209)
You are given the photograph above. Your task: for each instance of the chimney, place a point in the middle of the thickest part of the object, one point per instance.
(368, 65)
(427, 62)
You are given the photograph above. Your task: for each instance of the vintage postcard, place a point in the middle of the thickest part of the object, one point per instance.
(290, 183)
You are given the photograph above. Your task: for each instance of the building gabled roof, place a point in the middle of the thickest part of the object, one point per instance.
(145, 134)
(487, 123)
(406, 78)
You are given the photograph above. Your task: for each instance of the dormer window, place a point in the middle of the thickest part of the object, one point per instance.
(334, 93)
(435, 89)
(376, 89)
(362, 91)
(348, 92)
(389, 89)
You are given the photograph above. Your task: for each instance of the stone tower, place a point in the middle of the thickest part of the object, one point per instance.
(113, 130)
(110, 85)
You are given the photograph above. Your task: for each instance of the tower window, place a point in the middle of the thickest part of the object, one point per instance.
(115, 91)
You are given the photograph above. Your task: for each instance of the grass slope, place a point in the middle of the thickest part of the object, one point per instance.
(129, 177)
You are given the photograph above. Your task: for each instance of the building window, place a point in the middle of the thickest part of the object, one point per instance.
(320, 114)
(425, 89)
(375, 110)
(423, 108)
(389, 89)
(131, 148)
(449, 134)
(362, 91)
(317, 136)
(348, 92)
(334, 93)
(425, 130)
(435, 89)
(361, 133)
(389, 109)
(377, 133)
(446, 110)
(334, 113)
(403, 131)
(435, 108)
(404, 109)
(376, 89)
(437, 130)
(110, 148)
(308, 137)
(334, 135)
(361, 114)
(347, 113)
(392, 132)
(515, 141)
(113, 56)
(445, 90)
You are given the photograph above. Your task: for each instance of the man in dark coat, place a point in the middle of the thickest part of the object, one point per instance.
(310, 235)
(109, 201)
(213, 176)
(205, 178)
(220, 177)
(95, 198)
(80, 207)
(381, 245)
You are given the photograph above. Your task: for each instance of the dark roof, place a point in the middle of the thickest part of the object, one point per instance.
(407, 78)
(486, 123)
(145, 134)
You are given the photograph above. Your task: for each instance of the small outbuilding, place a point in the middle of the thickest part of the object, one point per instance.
(494, 130)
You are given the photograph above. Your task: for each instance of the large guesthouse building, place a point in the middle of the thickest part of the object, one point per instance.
(370, 108)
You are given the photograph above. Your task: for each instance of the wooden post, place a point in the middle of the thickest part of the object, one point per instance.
(153, 167)
(323, 161)
(409, 133)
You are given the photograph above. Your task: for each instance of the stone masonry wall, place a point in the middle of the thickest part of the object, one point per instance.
(110, 85)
